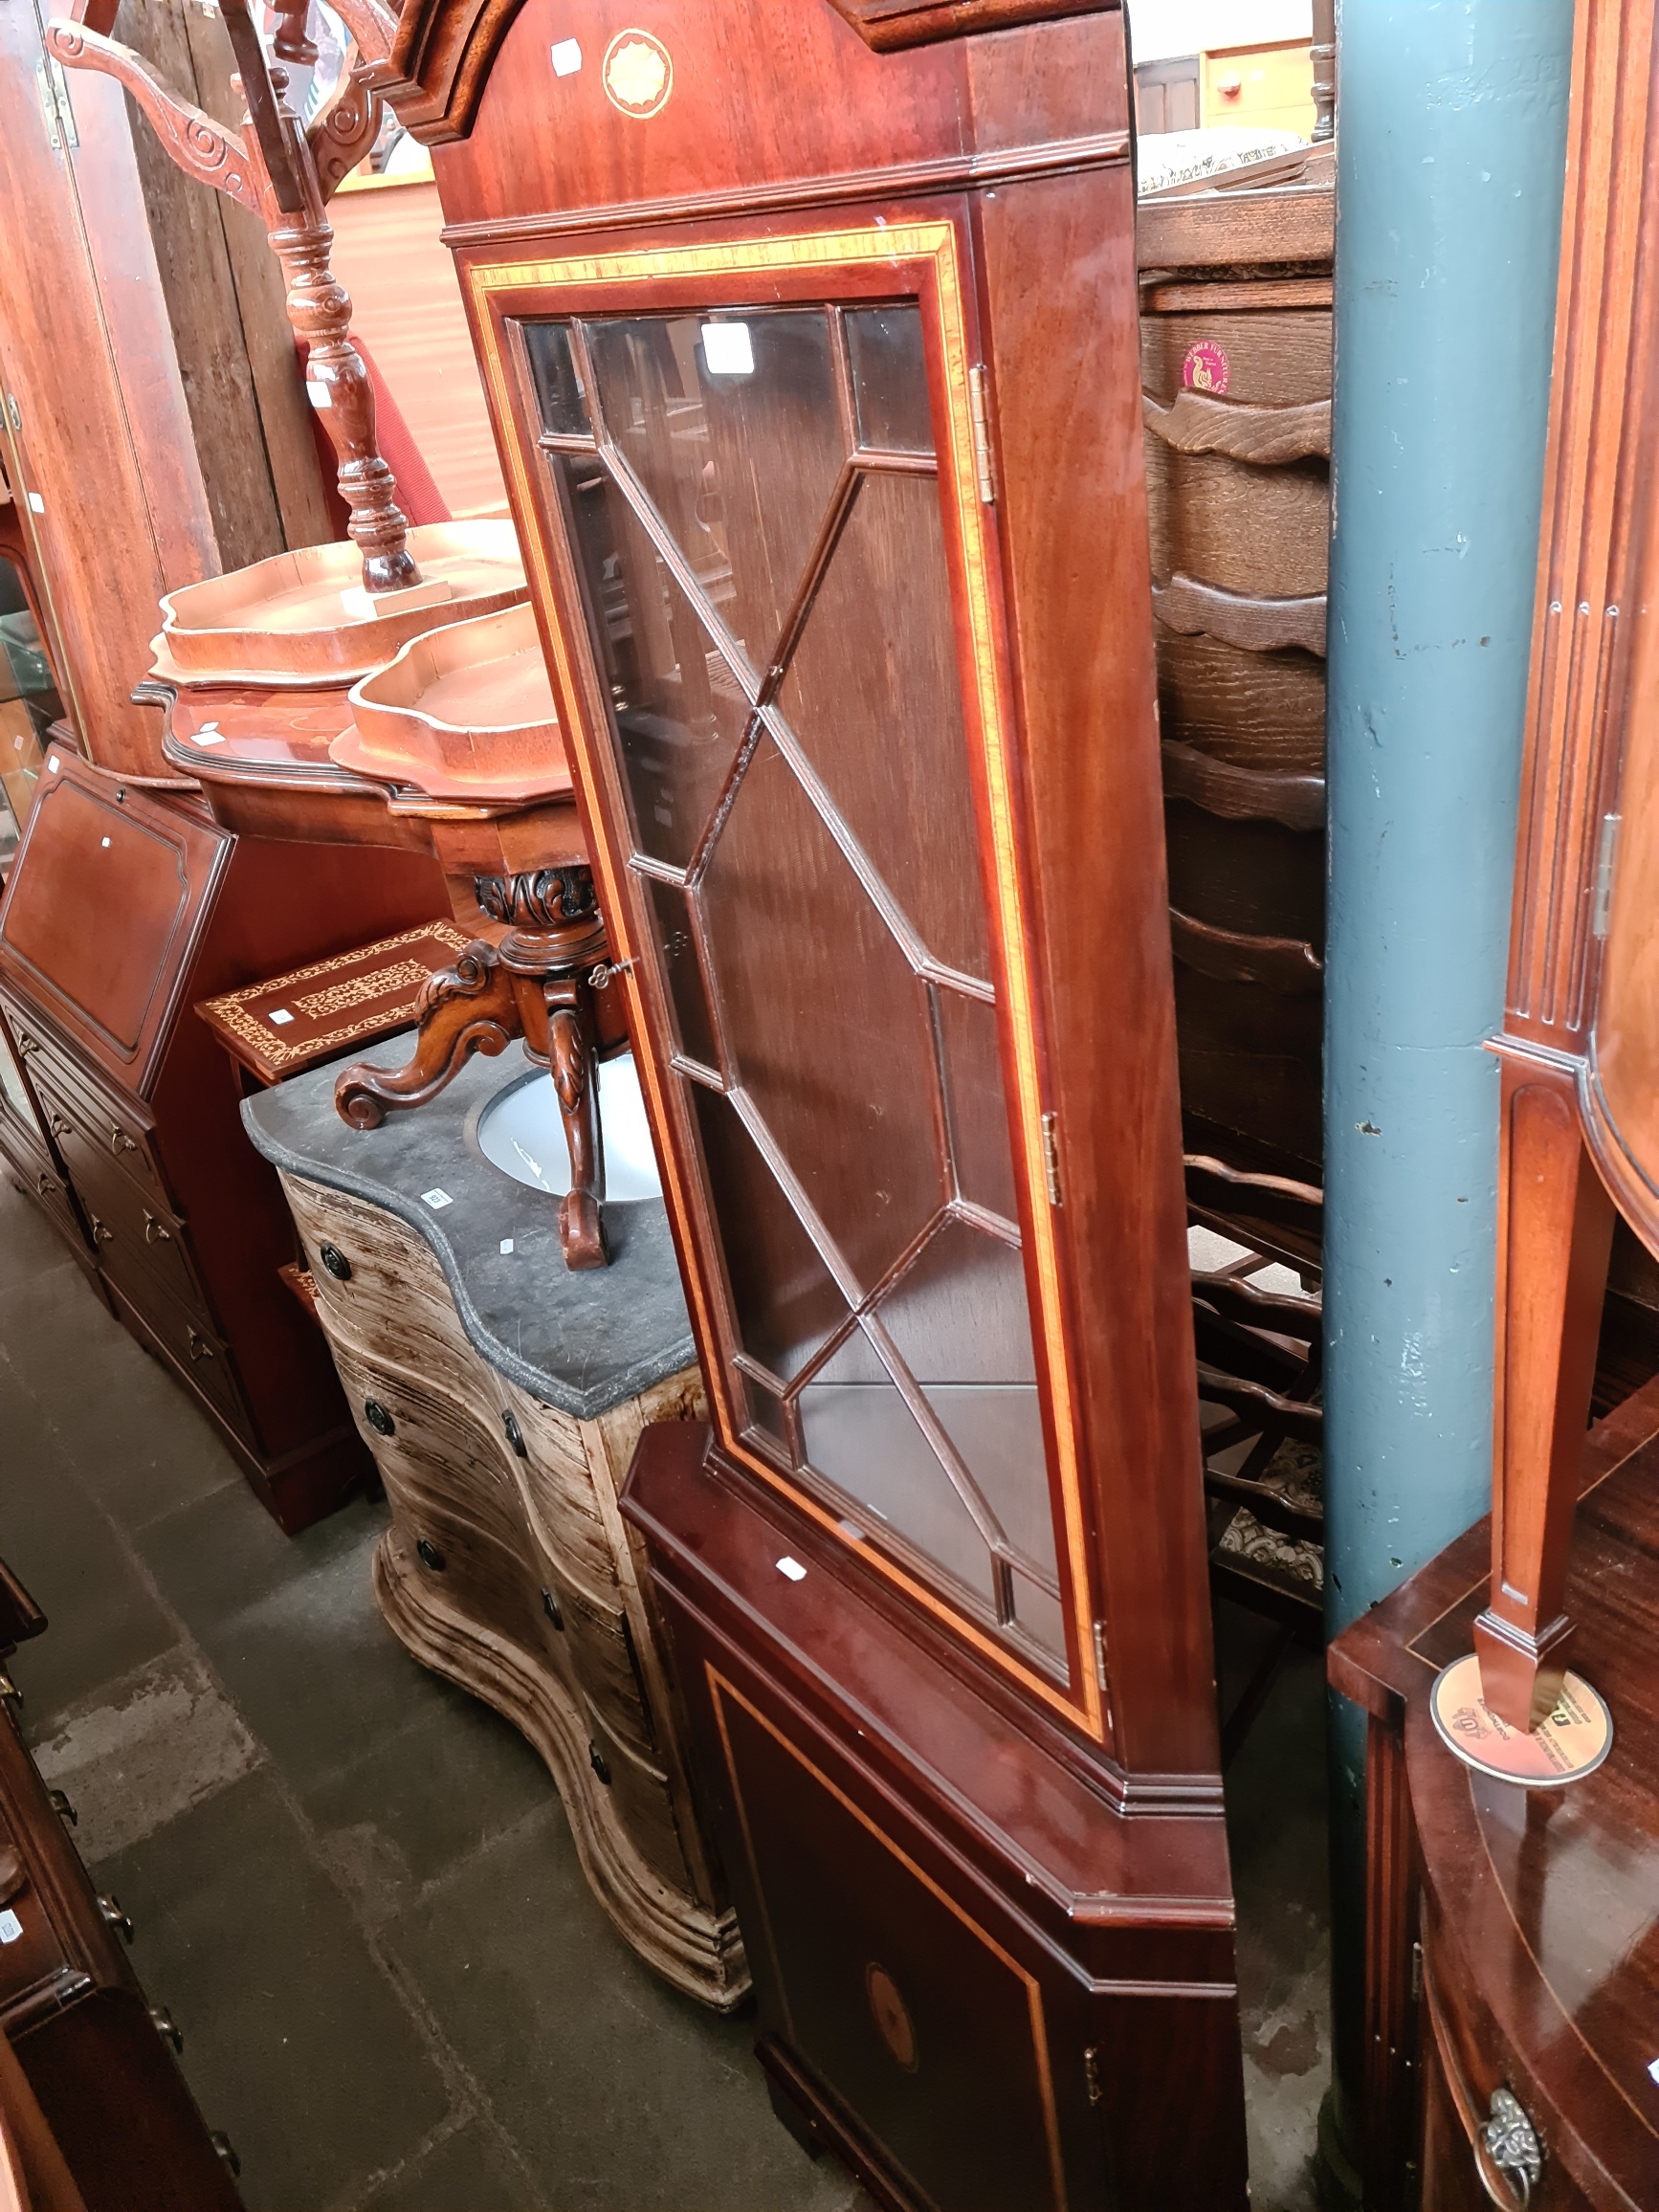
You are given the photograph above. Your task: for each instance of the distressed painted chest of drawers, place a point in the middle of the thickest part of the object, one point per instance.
(502, 1396)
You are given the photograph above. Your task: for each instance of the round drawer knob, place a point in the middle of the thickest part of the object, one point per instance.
(550, 1606)
(515, 1434)
(596, 1761)
(430, 1555)
(378, 1418)
(336, 1262)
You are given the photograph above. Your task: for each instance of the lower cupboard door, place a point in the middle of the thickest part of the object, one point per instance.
(901, 2000)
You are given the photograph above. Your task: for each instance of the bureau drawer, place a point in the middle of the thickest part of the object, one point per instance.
(199, 1354)
(108, 1126)
(135, 1234)
(39, 1177)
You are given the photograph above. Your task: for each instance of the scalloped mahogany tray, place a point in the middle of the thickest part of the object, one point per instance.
(465, 712)
(302, 618)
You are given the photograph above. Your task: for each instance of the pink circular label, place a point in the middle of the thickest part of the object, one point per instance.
(1207, 367)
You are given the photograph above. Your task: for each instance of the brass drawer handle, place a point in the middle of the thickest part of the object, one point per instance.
(61, 1127)
(119, 1140)
(156, 1231)
(27, 1045)
(45, 1186)
(110, 1913)
(200, 1348)
(101, 1234)
(1509, 2161)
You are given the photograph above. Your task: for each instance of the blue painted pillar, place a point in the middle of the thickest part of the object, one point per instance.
(1452, 155)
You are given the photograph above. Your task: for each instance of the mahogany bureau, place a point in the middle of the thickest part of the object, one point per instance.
(503, 1395)
(120, 1110)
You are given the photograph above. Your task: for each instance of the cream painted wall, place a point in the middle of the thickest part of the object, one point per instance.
(1162, 28)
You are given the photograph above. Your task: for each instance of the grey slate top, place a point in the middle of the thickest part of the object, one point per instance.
(580, 1343)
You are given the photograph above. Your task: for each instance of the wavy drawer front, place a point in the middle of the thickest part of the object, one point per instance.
(508, 1568)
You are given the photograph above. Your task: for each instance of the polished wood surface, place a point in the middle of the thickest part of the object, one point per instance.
(1057, 2038)
(136, 1130)
(1536, 1911)
(510, 1571)
(1579, 1020)
(156, 426)
(907, 244)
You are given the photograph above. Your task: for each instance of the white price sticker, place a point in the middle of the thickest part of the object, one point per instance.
(728, 349)
(10, 1927)
(566, 57)
(438, 1200)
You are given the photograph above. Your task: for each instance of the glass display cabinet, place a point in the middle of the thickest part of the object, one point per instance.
(811, 337)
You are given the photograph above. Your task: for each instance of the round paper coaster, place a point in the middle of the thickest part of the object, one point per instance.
(1571, 1743)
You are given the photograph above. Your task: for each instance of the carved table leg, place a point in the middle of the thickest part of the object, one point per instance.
(472, 1008)
(575, 1072)
(535, 985)
(1555, 1234)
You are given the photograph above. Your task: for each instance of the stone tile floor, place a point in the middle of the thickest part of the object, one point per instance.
(354, 1886)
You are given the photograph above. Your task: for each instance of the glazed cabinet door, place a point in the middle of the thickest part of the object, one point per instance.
(790, 615)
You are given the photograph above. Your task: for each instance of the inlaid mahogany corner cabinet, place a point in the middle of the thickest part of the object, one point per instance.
(811, 337)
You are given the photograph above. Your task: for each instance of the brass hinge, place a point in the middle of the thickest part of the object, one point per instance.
(982, 437)
(1052, 1155)
(1100, 1653)
(1091, 2073)
(1416, 1972)
(58, 115)
(14, 411)
(1604, 860)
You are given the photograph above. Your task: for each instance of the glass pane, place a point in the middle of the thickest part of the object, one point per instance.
(873, 696)
(787, 1305)
(28, 705)
(890, 379)
(681, 713)
(685, 983)
(976, 1103)
(862, 1437)
(558, 392)
(826, 1020)
(1040, 1616)
(962, 1324)
(739, 462)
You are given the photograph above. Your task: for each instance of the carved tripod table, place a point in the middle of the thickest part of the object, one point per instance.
(310, 706)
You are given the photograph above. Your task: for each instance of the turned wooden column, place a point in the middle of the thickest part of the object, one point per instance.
(285, 173)
(1324, 71)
